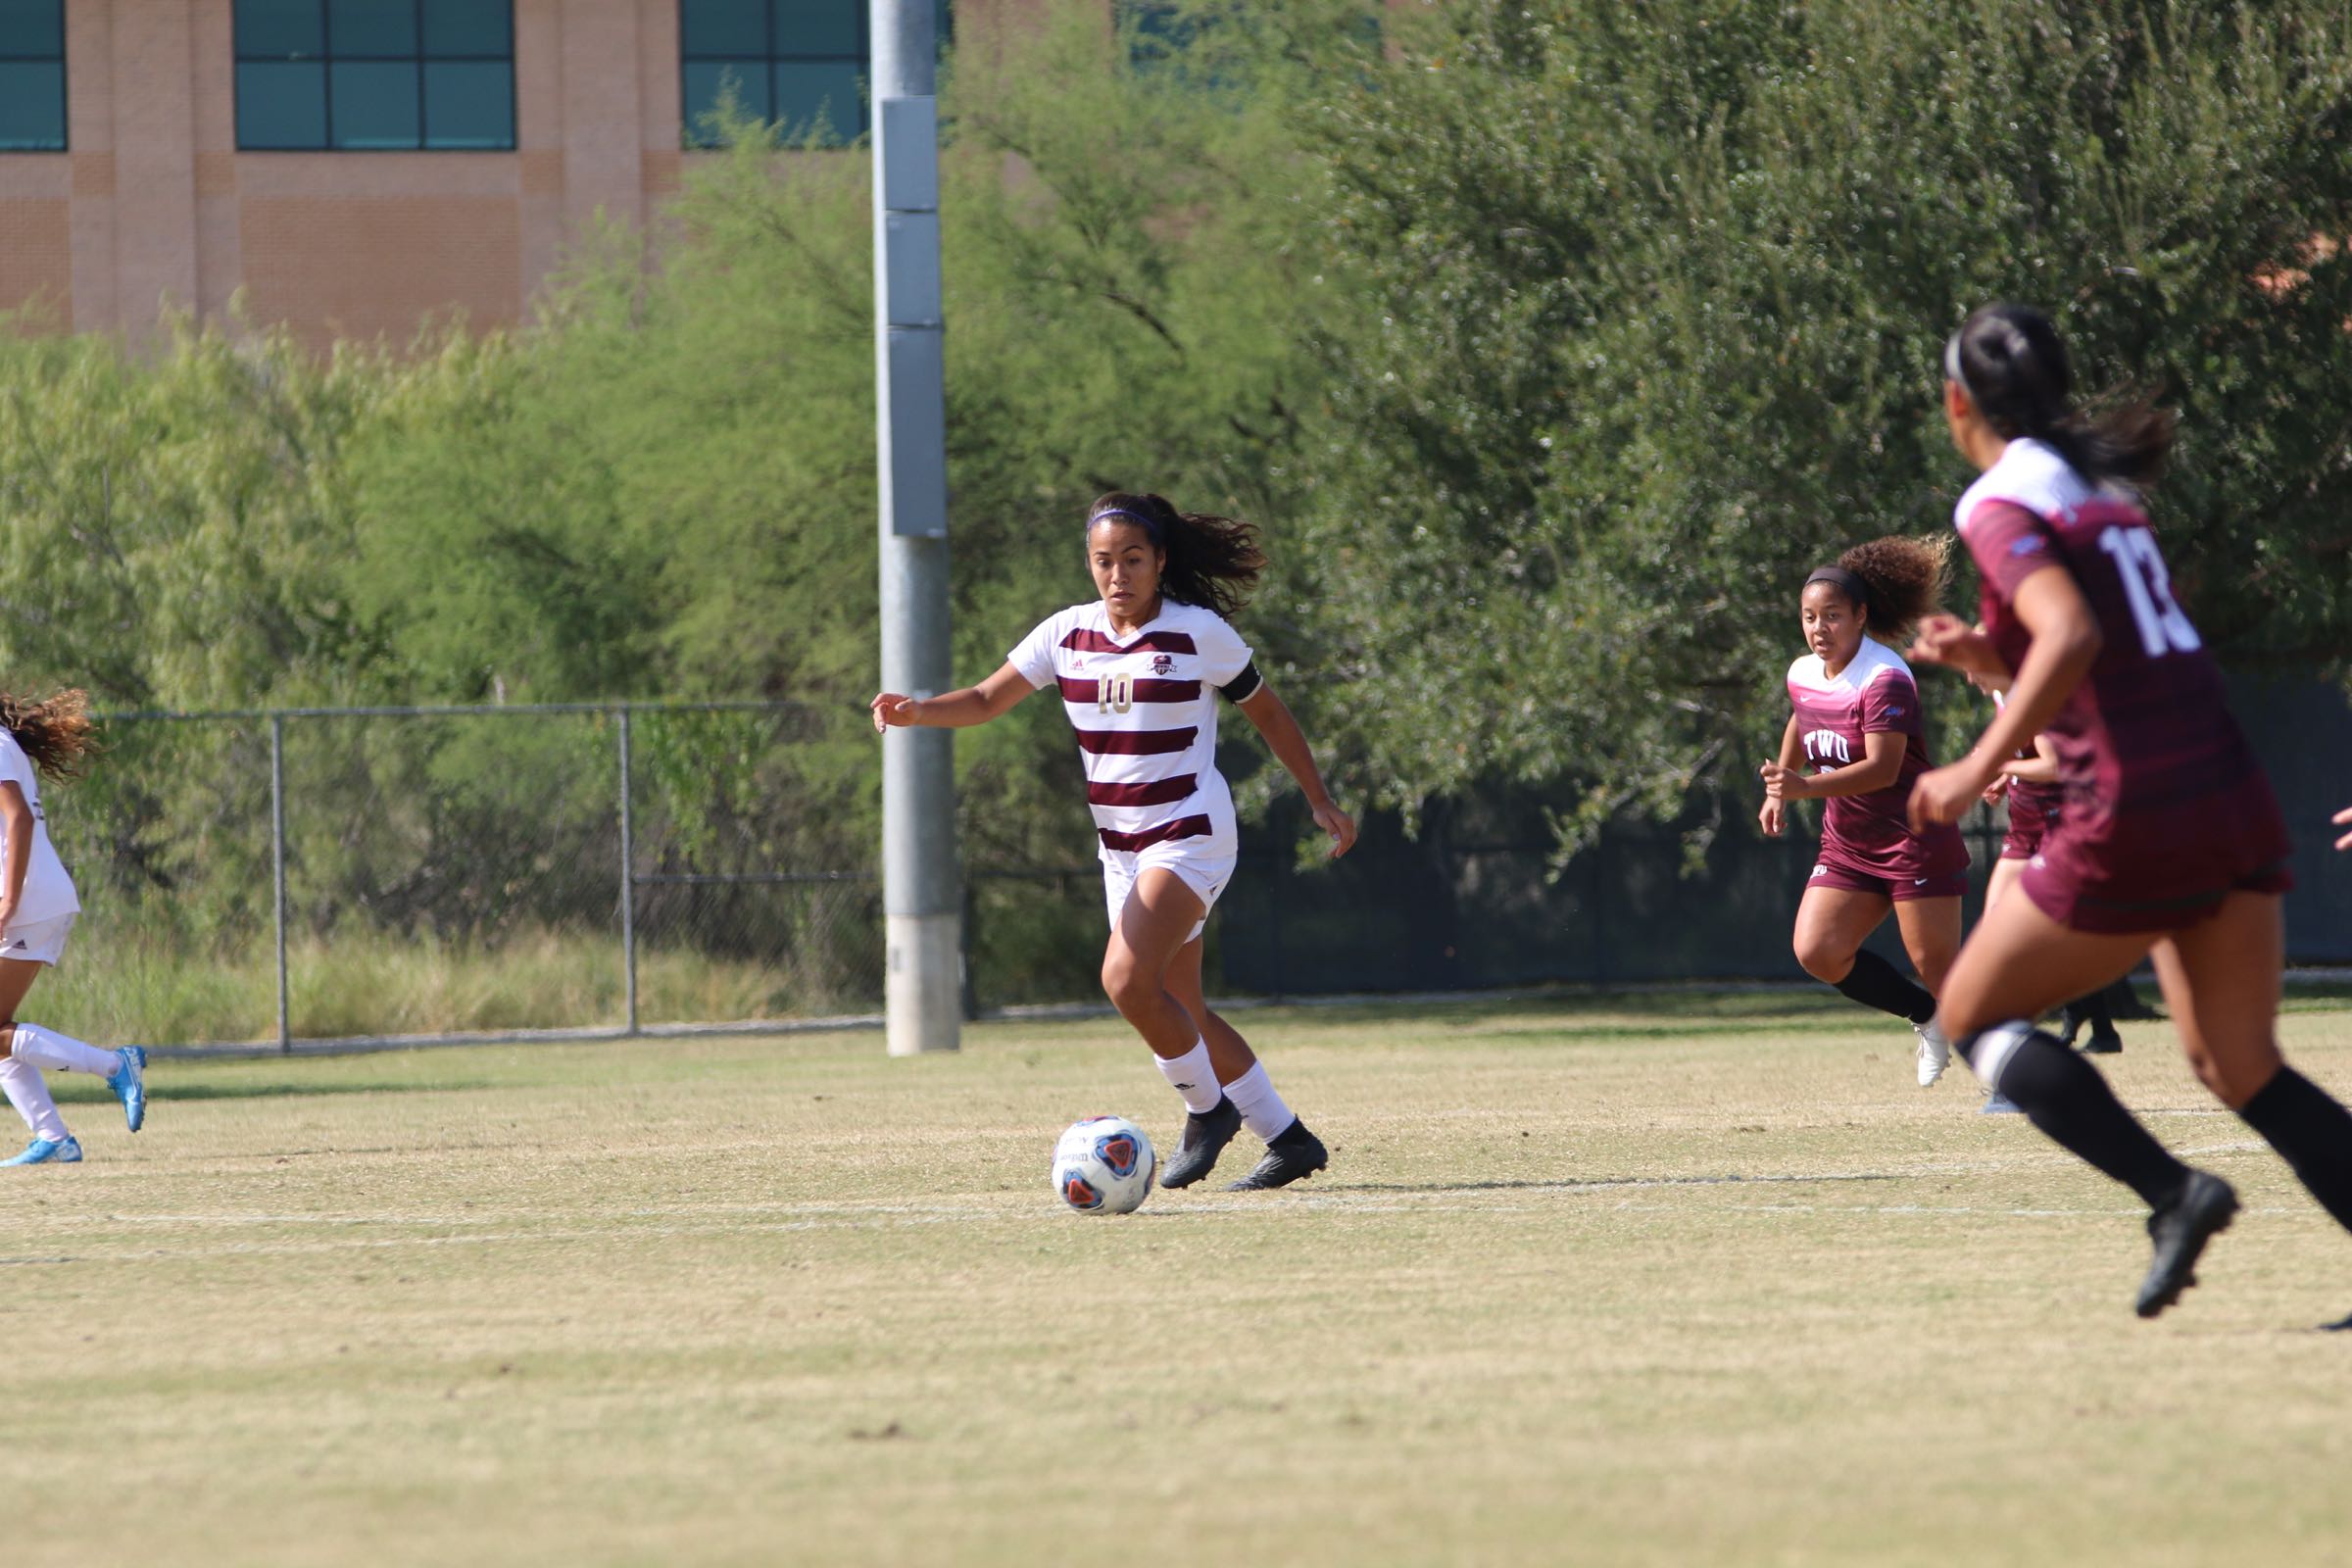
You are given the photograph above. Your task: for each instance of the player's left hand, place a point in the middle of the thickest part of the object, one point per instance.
(1340, 825)
(1996, 789)
(1944, 793)
(2343, 818)
(1782, 783)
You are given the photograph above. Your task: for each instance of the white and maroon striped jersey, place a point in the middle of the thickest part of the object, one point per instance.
(1145, 708)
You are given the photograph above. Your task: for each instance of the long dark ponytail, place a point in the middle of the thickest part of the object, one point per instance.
(1212, 561)
(2008, 360)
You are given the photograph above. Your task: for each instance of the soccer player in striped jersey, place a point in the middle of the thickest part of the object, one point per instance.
(1857, 725)
(1140, 672)
(37, 909)
(2167, 842)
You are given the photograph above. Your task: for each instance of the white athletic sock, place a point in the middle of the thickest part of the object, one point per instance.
(21, 1082)
(1191, 1076)
(1262, 1111)
(47, 1048)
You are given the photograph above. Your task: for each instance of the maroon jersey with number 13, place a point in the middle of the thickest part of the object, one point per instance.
(2164, 809)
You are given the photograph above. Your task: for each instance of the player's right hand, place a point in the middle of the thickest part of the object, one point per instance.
(2343, 818)
(892, 709)
(1946, 639)
(1772, 817)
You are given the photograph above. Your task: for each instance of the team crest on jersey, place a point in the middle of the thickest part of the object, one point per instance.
(1163, 664)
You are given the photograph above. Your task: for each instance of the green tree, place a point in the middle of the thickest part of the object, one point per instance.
(1650, 305)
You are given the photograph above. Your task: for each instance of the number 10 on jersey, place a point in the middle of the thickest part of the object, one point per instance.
(1114, 694)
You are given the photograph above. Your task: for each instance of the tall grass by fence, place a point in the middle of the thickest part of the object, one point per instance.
(260, 879)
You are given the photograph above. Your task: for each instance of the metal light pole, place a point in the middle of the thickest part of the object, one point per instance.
(921, 899)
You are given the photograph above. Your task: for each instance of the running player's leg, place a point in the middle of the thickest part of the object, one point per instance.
(20, 1080)
(1930, 931)
(124, 1070)
(2003, 877)
(1223, 1060)
(1154, 923)
(1229, 1052)
(2016, 965)
(1830, 925)
(2220, 979)
(2097, 1010)
(1292, 1149)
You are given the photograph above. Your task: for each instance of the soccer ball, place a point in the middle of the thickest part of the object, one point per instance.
(1103, 1165)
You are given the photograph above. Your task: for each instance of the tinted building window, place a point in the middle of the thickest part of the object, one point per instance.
(374, 75)
(800, 64)
(32, 76)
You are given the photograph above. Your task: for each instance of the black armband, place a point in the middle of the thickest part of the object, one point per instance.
(1244, 686)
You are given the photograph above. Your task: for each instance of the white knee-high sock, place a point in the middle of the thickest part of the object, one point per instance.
(21, 1082)
(1262, 1111)
(1191, 1076)
(47, 1048)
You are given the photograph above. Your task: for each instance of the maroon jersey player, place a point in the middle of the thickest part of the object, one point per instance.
(2167, 842)
(2028, 787)
(1856, 741)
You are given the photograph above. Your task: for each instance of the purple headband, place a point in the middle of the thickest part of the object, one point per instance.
(1149, 526)
(1844, 581)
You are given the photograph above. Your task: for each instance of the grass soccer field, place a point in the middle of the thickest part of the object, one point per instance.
(1673, 1280)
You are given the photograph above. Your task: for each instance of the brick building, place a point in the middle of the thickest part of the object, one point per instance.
(354, 164)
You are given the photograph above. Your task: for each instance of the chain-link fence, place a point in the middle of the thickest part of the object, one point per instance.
(334, 875)
(368, 873)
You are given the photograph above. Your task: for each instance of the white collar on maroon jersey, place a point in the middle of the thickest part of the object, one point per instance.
(2028, 473)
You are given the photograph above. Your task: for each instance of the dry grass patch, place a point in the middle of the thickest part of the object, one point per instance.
(1698, 1281)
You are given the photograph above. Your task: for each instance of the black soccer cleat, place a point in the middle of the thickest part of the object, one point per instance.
(2181, 1229)
(1205, 1135)
(1293, 1155)
(2104, 1042)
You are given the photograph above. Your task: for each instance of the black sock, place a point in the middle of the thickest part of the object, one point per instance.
(2068, 1100)
(2312, 1133)
(1875, 983)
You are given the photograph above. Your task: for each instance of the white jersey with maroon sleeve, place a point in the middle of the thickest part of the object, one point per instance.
(1145, 706)
(48, 892)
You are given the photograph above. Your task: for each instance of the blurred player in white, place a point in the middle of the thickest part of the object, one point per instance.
(1140, 670)
(37, 908)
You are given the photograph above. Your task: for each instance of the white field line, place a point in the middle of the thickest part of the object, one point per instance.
(1501, 1200)
(1322, 1206)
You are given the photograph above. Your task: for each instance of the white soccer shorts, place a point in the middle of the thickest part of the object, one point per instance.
(37, 940)
(1205, 875)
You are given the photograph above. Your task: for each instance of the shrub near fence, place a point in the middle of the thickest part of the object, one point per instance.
(444, 872)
